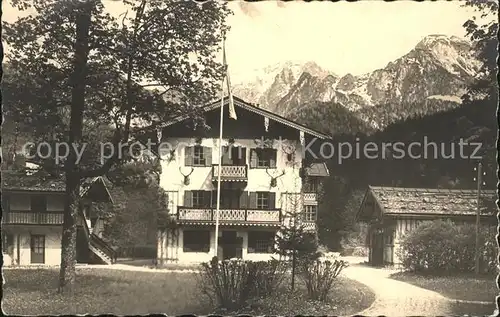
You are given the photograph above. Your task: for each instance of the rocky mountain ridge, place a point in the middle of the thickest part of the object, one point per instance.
(432, 75)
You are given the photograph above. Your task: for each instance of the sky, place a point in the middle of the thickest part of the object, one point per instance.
(343, 37)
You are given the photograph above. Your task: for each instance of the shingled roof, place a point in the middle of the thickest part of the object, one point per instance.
(24, 182)
(454, 202)
(17, 181)
(317, 169)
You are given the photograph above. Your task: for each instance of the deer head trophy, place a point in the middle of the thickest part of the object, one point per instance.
(274, 178)
(289, 150)
(186, 177)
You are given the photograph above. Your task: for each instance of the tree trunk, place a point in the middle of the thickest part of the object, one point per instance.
(293, 269)
(78, 82)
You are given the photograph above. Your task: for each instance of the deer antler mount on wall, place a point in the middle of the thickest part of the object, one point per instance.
(186, 181)
(274, 179)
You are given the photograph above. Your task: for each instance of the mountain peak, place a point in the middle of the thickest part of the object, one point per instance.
(430, 41)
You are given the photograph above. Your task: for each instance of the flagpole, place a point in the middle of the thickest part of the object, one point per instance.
(220, 158)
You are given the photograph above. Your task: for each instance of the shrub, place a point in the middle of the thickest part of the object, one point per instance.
(319, 277)
(442, 246)
(230, 284)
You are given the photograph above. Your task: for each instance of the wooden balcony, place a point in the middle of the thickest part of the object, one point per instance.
(229, 216)
(230, 173)
(310, 199)
(32, 218)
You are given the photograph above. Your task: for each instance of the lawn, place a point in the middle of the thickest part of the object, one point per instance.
(102, 291)
(461, 287)
(105, 291)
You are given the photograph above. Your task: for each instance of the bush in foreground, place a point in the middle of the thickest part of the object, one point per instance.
(319, 277)
(442, 246)
(231, 284)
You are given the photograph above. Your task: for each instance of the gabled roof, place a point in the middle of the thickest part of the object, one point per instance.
(430, 201)
(17, 181)
(252, 108)
(317, 169)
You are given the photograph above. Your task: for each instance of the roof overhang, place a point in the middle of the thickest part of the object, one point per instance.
(252, 108)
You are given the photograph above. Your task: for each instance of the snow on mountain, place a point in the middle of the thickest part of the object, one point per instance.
(439, 67)
(268, 85)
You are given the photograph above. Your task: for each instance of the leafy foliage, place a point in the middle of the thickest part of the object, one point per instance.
(319, 277)
(139, 63)
(445, 247)
(232, 283)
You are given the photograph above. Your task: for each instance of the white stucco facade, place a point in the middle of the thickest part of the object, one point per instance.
(286, 192)
(33, 244)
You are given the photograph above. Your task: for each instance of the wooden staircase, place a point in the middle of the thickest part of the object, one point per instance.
(101, 249)
(98, 246)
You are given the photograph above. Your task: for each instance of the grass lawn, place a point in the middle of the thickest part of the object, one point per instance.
(102, 291)
(462, 287)
(105, 291)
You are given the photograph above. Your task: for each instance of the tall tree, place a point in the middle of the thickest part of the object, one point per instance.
(86, 68)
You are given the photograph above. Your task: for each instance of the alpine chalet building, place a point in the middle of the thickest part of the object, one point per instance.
(266, 175)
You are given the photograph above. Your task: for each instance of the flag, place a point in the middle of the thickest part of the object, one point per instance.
(232, 112)
(266, 124)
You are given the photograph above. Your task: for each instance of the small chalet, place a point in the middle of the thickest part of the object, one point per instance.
(391, 212)
(33, 215)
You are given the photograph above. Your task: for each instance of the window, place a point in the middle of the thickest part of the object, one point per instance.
(262, 200)
(201, 199)
(38, 203)
(260, 241)
(229, 198)
(311, 185)
(199, 156)
(7, 243)
(310, 213)
(263, 158)
(196, 240)
(37, 249)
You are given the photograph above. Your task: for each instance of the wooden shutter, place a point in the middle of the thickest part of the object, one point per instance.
(244, 199)
(272, 200)
(207, 198)
(272, 160)
(188, 198)
(253, 158)
(225, 155)
(252, 200)
(207, 152)
(188, 156)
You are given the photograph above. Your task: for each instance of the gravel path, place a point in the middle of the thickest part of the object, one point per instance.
(395, 298)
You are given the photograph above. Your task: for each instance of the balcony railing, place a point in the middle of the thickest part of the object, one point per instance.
(229, 215)
(230, 172)
(33, 218)
(310, 197)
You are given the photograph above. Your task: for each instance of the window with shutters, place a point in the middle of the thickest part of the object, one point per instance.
(199, 199)
(261, 241)
(264, 158)
(196, 240)
(310, 213)
(263, 200)
(199, 157)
